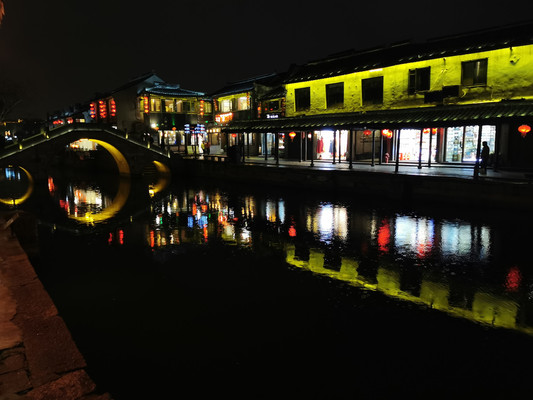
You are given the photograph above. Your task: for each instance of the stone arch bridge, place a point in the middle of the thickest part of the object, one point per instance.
(37, 153)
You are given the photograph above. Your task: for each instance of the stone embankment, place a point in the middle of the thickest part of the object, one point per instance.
(38, 357)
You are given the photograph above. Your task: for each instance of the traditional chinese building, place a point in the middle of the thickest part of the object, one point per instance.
(430, 102)
(247, 100)
(180, 116)
(147, 107)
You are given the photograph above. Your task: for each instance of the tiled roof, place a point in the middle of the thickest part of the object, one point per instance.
(353, 61)
(243, 85)
(166, 89)
(436, 116)
(275, 93)
(137, 80)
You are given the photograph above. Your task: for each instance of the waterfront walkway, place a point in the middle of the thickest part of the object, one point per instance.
(38, 357)
(461, 171)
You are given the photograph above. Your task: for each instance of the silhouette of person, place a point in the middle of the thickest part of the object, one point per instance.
(485, 151)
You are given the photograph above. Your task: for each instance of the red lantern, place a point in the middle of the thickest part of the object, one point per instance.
(386, 133)
(367, 132)
(234, 135)
(524, 130)
(292, 135)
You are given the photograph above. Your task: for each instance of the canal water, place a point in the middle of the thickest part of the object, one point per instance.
(195, 290)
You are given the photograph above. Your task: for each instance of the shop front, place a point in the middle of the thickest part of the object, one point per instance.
(331, 144)
(454, 145)
(451, 135)
(461, 142)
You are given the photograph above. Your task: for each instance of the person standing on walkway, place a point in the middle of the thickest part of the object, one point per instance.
(485, 152)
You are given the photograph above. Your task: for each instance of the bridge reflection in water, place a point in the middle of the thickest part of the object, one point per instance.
(460, 267)
(452, 265)
(83, 201)
(17, 186)
(240, 289)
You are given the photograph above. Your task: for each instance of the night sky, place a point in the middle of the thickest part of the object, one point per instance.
(63, 52)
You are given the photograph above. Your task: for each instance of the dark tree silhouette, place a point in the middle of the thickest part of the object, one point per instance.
(10, 96)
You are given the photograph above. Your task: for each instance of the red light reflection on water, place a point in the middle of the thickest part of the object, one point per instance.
(424, 249)
(384, 236)
(292, 231)
(513, 279)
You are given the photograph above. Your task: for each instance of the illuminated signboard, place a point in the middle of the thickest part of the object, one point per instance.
(223, 118)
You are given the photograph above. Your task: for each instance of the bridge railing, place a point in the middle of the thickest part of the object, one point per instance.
(27, 142)
(37, 139)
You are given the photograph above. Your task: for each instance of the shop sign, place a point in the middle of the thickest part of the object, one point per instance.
(224, 118)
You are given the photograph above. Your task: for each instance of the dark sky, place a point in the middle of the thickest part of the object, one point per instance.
(62, 52)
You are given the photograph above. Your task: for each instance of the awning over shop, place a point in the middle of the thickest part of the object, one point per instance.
(423, 117)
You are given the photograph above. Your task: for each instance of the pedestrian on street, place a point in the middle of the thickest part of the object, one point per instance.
(485, 152)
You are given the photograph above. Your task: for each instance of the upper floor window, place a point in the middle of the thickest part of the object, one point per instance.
(474, 72)
(335, 95)
(372, 90)
(243, 103)
(272, 105)
(226, 105)
(419, 80)
(155, 105)
(169, 106)
(302, 98)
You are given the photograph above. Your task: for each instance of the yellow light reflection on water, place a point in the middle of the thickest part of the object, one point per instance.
(25, 196)
(487, 309)
(116, 205)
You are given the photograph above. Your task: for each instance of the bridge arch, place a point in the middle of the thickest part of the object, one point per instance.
(122, 165)
(131, 157)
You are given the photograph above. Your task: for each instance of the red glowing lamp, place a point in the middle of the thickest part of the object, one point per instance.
(367, 132)
(292, 135)
(524, 130)
(234, 135)
(386, 133)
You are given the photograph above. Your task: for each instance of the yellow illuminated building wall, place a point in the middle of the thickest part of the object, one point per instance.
(509, 76)
(238, 101)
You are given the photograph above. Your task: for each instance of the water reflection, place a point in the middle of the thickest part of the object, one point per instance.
(89, 202)
(451, 265)
(473, 270)
(16, 185)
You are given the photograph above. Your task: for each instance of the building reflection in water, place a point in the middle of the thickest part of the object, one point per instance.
(89, 203)
(449, 265)
(452, 265)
